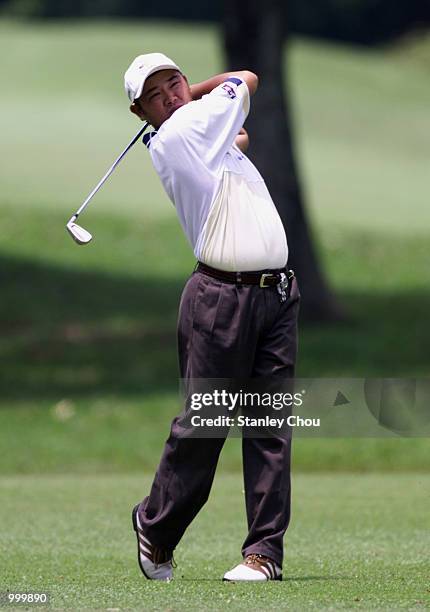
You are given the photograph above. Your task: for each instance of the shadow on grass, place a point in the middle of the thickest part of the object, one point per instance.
(69, 333)
(315, 578)
(284, 579)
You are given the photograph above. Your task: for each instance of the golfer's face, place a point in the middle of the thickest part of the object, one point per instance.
(164, 92)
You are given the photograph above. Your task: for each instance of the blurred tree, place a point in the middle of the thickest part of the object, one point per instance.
(255, 32)
(365, 22)
(359, 21)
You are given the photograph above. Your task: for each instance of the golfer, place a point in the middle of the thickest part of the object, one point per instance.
(238, 311)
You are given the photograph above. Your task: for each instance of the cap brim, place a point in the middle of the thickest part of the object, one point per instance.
(152, 71)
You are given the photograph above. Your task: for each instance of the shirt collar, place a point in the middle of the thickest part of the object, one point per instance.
(147, 138)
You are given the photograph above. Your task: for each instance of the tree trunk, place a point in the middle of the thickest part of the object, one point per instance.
(254, 36)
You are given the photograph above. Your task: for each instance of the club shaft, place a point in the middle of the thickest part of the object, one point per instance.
(109, 172)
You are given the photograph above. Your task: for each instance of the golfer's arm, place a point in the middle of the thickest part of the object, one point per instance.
(200, 89)
(242, 140)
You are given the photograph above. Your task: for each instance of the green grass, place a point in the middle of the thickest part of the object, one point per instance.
(95, 326)
(88, 377)
(361, 122)
(126, 434)
(355, 542)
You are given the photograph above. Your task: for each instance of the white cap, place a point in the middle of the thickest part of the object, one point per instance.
(141, 68)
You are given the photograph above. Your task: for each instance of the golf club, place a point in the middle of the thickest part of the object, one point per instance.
(78, 233)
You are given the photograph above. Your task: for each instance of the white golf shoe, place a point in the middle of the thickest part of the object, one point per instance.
(155, 563)
(254, 568)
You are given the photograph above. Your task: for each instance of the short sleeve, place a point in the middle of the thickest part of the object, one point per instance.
(225, 110)
(208, 127)
(228, 105)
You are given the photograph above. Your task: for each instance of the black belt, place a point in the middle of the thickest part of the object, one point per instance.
(263, 278)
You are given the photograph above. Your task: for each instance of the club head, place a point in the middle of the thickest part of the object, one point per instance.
(78, 233)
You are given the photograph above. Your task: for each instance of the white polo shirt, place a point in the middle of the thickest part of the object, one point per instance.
(221, 199)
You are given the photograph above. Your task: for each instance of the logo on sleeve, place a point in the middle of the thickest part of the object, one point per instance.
(230, 91)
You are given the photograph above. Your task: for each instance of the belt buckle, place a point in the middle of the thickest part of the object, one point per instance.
(263, 278)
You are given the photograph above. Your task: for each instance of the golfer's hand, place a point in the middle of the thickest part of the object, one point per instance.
(242, 140)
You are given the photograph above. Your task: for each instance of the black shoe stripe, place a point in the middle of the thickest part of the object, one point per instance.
(136, 529)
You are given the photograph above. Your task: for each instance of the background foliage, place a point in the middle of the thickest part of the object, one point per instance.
(359, 21)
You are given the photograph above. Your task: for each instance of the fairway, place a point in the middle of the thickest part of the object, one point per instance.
(88, 377)
(355, 542)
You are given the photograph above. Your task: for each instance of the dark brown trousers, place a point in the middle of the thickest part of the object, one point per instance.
(227, 331)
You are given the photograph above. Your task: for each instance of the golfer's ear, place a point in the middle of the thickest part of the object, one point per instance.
(136, 110)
